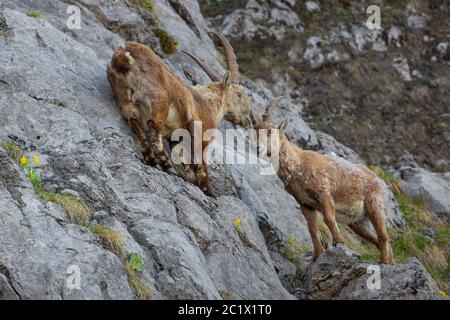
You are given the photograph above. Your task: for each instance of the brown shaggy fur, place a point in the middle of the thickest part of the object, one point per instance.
(155, 102)
(342, 191)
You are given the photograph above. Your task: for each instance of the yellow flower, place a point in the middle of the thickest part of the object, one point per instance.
(36, 159)
(442, 293)
(23, 161)
(237, 222)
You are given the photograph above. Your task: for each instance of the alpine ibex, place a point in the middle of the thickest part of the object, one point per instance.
(155, 101)
(340, 190)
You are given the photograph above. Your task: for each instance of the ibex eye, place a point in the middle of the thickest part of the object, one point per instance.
(239, 94)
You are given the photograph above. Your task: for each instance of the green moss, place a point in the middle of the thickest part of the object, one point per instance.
(168, 43)
(134, 268)
(147, 5)
(76, 210)
(111, 239)
(37, 14)
(12, 149)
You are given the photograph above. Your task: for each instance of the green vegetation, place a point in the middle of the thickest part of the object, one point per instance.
(392, 182)
(134, 268)
(293, 251)
(168, 43)
(78, 212)
(415, 240)
(37, 14)
(13, 150)
(147, 5)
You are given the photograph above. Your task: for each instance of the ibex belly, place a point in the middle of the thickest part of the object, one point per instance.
(173, 121)
(348, 213)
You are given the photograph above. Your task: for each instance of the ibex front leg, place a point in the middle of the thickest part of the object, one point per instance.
(131, 115)
(160, 156)
(199, 165)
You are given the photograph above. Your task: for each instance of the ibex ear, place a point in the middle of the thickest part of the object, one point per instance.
(283, 125)
(227, 80)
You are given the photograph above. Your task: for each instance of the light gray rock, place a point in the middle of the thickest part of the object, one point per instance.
(312, 6)
(416, 22)
(401, 65)
(259, 18)
(57, 100)
(434, 188)
(340, 274)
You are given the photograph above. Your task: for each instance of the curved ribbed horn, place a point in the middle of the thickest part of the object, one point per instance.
(213, 74)
(232, 64)
(267, 117)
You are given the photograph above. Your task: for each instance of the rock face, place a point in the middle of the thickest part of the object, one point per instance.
(339, 274)
(58, 101)
(382, 92)
(260, 19)
(434, 188)
(55, 102)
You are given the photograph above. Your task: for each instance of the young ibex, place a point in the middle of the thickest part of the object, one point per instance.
(155, 101)
(343, 191)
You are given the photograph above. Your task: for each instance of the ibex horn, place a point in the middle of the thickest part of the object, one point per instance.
(213, 74)
(271, 108)
(232, 64)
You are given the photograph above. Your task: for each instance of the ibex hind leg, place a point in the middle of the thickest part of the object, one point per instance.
(375, 213)
(311, 218)
(363, 231)
(131, 115)
(160, 157)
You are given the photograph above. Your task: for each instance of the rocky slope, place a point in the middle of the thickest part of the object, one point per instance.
(385, 93)
(175, 242)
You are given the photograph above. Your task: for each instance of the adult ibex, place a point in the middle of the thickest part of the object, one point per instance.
(340, 190)
(155, 102)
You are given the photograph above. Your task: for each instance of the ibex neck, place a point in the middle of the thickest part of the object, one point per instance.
(289, 158)
(212, 102)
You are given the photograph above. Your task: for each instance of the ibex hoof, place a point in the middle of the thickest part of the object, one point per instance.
(172, 171)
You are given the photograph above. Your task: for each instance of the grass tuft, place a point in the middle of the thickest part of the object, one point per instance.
(76, 210)
(147, 5)
(111, 239)
(13, 149)
(133, 269)
(392, 182)
(225, 293)
(293, 251)
(37, 14)
(168, 43)
(415, 211)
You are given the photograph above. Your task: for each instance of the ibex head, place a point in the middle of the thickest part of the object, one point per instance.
(234, 101)
(264, 122)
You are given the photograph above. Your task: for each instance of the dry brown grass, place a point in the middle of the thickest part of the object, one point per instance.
(111, 239)
(76, 209)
